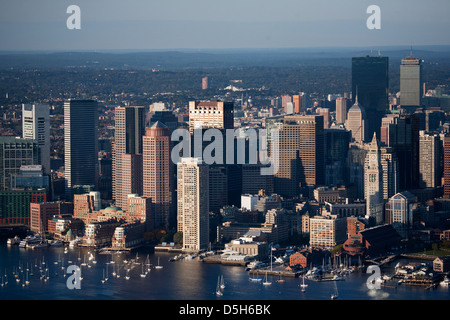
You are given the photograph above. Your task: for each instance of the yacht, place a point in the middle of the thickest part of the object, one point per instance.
(445, 282)
(13, 241)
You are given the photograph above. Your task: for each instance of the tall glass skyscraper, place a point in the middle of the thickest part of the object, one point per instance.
(370, 81)
(80, 142)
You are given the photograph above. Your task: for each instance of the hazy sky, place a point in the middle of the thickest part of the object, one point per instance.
(177, 24)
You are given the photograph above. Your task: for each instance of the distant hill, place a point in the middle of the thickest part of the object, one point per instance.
(188, 59)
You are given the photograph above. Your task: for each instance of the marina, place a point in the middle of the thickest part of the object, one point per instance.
(146, 274)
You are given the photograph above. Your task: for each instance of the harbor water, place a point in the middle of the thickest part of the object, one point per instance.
(45, 269)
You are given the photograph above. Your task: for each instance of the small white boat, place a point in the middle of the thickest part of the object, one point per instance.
(445, 282)
(218, 292)
(267, 282)
(158, 266)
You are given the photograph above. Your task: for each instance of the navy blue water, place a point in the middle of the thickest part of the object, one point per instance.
(180, 280)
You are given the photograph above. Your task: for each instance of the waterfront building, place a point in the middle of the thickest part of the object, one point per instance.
(193, 203)
(36, 126)
(15, 205)
(327, 231)
(41, 213)
(100, 234)
(128, 235)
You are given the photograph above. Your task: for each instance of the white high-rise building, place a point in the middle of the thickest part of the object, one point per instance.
(36, 126)
(193, 204)
(373, 183)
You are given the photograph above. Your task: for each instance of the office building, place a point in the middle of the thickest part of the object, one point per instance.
(389, 165)
(429, 160)
(447, 166)
(403, 135)
(327, 231)
(373, 183)
(193, 204)
(341, 110)
(158, 182)
(127, 153)
(15, 205)
(210, 114)
(411, 82)
(357, 122)
(301, 155)
(80, 143)
(299, 102)
(370, 82)
(36, 126)
(15, 153)
(400, 210)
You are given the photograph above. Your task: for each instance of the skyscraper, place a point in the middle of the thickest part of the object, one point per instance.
(429, 160)
(341, 110)
(411, 88)
(158, 173)
(447, 166)
(80, 142)
(373, 183)
(370, 80)
(210, 114)
(129, 129)
(404, 139)
(357, 122)
(301, 155)
(193, 204)
(299, 102)
(36, 125)
(389, 164)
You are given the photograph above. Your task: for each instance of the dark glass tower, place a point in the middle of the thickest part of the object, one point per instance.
(370, 81)
(80, 142)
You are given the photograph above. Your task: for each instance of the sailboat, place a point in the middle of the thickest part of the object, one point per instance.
(143, 275)
(266, 282)
(218, 292)
(158, 266)
(127, 276)
(303, 285)
(222, 283)
(255, 279)
(103, 278)
(336, 294)
(281, 280)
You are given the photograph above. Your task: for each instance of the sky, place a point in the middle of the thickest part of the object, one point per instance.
(213, 24)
